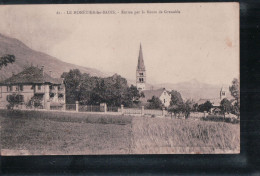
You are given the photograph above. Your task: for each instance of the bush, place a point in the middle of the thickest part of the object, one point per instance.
(216, 118)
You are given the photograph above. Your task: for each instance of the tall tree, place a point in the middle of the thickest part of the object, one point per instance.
(72, 80)
(187, 108)
(6, 59)
(235, 92)
(175, 98)
(176, 104)
(225, 106)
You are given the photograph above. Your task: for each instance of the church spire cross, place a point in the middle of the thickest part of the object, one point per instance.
(140, 65)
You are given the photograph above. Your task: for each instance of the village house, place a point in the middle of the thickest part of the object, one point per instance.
(35, 88)
(162, 94)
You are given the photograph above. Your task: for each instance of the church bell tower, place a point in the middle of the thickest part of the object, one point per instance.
(140, 72)
(222, 93)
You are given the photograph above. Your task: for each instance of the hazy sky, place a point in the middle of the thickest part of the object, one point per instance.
(201, 42)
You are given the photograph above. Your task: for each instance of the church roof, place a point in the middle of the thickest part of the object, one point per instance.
(31, 75)
(140, 65)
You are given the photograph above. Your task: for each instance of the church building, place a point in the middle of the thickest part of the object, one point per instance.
(161, 93)
(140, 72)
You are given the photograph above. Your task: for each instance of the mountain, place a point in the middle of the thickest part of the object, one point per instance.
(196, 90)
(26, 56)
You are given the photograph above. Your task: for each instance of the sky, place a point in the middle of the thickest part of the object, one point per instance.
(201, 42)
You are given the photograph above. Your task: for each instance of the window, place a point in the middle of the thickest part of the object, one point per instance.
(52, 95)
(141, 74)
(10, 88)
(141, 79)
(21, 87)
(16, 88)
(39, 87)
(32, 87)
(60, 95)
(164, 100)
(51, 87)
(1, 92)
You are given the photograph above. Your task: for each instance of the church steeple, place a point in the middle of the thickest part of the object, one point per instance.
(140, 65)
(140, 71)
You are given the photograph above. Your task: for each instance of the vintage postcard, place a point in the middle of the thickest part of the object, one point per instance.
(90, 79)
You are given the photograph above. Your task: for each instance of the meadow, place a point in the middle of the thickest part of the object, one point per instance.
(63, 133)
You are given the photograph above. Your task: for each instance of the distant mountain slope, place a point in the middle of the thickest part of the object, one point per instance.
(26, 56)
(196, 90)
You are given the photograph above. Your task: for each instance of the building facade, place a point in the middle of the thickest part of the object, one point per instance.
(140, 72)
(162, 94)
(35, 89)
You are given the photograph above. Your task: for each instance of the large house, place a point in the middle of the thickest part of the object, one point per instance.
(162, 94)
(35, 88)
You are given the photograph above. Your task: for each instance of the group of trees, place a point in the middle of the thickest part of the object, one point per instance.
(178, 105)
(95, 90)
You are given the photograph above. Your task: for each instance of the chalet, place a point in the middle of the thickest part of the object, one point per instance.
(33, 84)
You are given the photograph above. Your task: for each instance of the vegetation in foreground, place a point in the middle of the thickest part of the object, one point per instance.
(78, 133)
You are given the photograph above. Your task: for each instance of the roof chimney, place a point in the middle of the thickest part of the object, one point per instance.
(42, 70)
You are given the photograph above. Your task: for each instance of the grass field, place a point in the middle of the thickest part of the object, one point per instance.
(63, 133)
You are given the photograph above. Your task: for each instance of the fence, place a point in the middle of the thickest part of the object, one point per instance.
(108, 109)
(132, 111)
(91, 108)
(113, 109)
(70, 107)
(153, 112)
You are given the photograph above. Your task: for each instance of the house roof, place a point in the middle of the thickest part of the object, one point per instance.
(31, 75)
(214, 101)
(150, 93)
(140, 65)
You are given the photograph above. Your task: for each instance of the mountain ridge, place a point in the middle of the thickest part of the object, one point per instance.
(26, 56)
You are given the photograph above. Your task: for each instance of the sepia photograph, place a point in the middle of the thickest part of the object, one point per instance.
(119, 79)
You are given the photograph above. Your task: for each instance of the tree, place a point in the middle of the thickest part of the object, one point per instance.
(187, 108)
(175, 98)
(72, 81)
(86, 89)
(205, 106)
(14, 100)
(235, 92)
(176, 104)
(6, 59)
(225, 106)
(155, 103)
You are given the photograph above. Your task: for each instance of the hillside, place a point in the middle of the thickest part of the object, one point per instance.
(26, 56)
